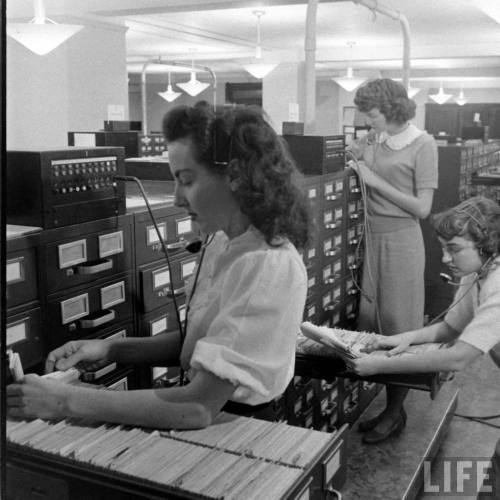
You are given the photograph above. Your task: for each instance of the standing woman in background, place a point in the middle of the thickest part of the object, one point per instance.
(398, 164)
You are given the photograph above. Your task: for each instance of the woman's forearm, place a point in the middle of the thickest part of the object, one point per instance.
(439, 332)
(159, 350)
(454, 358)
(145, 408)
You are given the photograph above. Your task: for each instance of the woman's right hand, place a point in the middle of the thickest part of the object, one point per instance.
(87, 355)
(395, 343)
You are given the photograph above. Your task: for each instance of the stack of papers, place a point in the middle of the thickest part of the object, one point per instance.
(348, 344)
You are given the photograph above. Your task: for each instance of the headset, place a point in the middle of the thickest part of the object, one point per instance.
(193, 246)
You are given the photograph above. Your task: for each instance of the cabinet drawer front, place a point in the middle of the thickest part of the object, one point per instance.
(83, 258)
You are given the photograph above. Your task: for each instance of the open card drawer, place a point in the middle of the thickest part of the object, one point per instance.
(316, 361)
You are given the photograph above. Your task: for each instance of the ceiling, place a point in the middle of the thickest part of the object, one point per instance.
(454, 41)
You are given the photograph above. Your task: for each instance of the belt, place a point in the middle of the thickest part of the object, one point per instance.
(244, 409)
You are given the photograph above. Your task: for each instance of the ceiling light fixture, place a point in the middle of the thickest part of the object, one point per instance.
(41, 35)
(169, 95)
(412, 92)
(461, 99)
(193, 87)
(259, 69)
(440, 97)
(349, 82)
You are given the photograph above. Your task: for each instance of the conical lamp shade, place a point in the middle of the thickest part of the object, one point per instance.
(193, 86)
(349, 82)
(42, 38)
(440, 97)
(169, 95)
(259, 70)
(461, 100)
(412, 92)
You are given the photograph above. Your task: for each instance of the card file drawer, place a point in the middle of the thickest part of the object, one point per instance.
(87, 311)
(78, 255)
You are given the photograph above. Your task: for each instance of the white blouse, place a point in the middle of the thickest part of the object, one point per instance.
(245, 315)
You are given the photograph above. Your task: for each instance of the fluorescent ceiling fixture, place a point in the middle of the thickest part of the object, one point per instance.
(169, 95)
(41, 35)
(349, 82)
(257, 68)
(461, 100)
(440, 97)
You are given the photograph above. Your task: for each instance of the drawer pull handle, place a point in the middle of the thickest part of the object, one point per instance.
(94, 267)
(176, 246)
(176, 291)
(108, 316)
(96, 374)
(333, 494)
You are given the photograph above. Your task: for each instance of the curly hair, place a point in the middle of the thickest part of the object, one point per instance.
(241, 142)
(477, 218)
(389, 97)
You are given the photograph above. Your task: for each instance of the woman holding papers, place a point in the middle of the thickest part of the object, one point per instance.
(470, 237)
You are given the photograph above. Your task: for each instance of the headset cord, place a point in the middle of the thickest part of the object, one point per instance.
(163, 246)
(480, 420)
(368, 244)
(207, 241)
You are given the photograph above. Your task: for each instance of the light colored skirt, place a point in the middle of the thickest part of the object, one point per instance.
(393, 281)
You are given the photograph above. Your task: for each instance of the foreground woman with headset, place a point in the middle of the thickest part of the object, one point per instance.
(235, 178)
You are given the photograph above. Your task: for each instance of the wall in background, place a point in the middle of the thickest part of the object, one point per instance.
(67, 89)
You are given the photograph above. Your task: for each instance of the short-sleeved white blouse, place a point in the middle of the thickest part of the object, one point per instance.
(476, 313)
(245, 315)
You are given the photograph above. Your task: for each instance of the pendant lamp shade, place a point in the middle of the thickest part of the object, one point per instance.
(412, 92)
(440, 97)
(41, 35)
(193, 87)
(257, 68)
(169, 95)
(461, 99)
(349, 82)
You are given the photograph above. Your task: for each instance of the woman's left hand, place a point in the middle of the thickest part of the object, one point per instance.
(369, 177)
(367, 365)
(37, 397)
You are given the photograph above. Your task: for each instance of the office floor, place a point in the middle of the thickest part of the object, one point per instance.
(479, 387)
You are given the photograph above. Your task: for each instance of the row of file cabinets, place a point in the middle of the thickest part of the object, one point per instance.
(327, 405)
(78, 281)
(72, 256)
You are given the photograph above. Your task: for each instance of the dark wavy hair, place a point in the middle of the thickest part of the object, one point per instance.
(389, 97)
(477, 218)
(240, 141)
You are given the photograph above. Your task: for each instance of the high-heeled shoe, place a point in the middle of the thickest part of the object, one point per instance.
(374, 436)
(371, 423)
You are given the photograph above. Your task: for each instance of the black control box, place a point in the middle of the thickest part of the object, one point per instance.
(54, 188)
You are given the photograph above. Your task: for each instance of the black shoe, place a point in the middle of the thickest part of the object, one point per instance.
(375, 436)
(370, 424)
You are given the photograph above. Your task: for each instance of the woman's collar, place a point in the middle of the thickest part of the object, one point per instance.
(403, 139)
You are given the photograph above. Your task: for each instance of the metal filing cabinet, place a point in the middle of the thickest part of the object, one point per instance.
(78, 255)
(156, 283)
(23, 319)
(88, 286)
